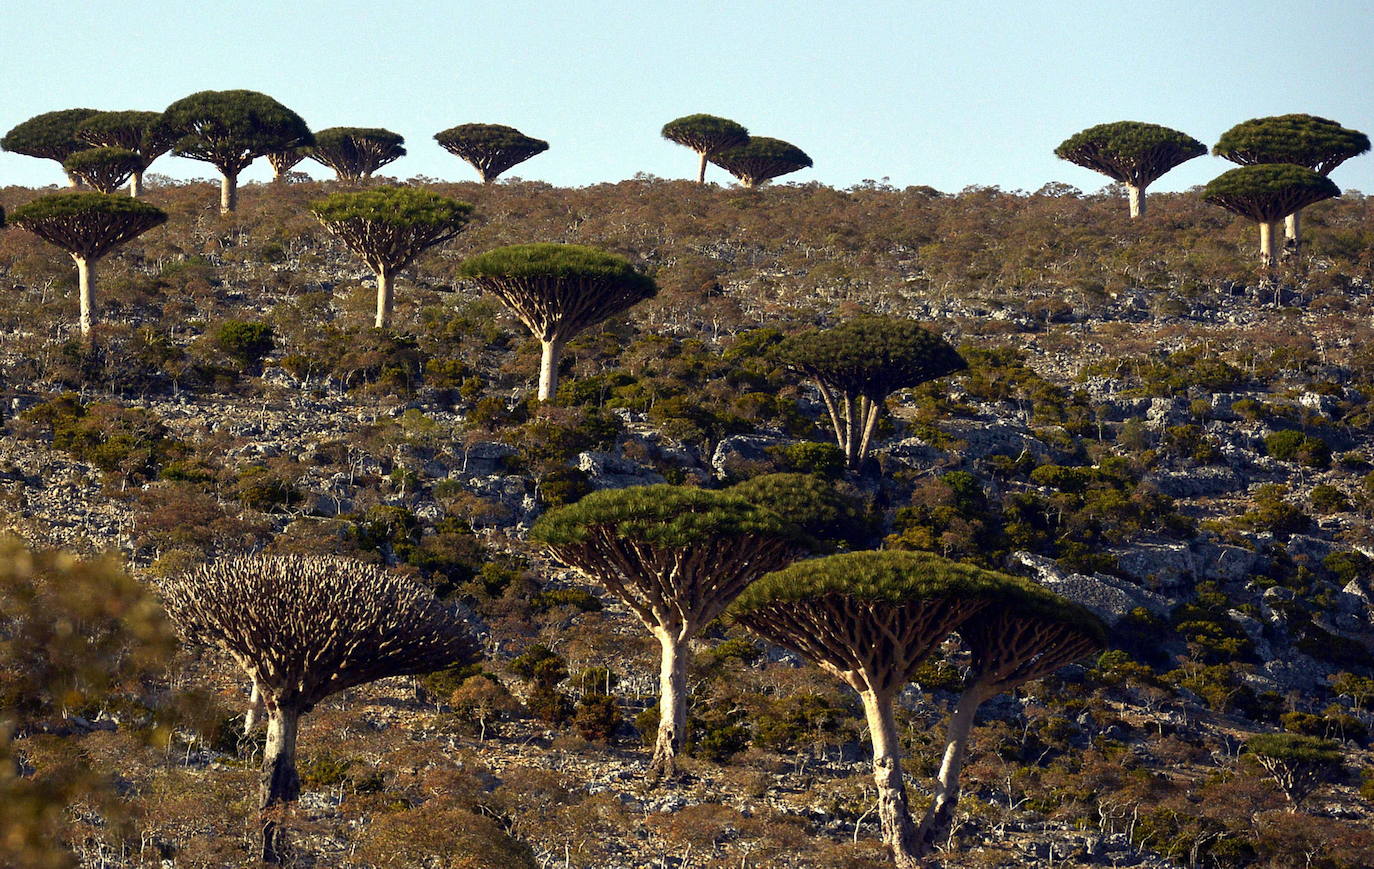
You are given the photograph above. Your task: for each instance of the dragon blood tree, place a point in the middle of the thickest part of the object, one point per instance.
(760, 160)
(708, 135)
(49, 136)
(231, 129)
(304, 628)
(1024, 632)
(1131, 152)
(859, 363)
(354, 153)
(490, 148)
(87, 226)
(1317, 143)
(557, 290)
(869, 619)
(1267, 193)
(677, 556)
(140, 132)
(282, 162)
(388, 228)
(105, 169)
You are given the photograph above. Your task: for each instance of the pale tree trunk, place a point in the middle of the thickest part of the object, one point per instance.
(701, 170)
(250, 718)
(899, 833)
(1135, 196)
(1292, 229)
(280, 783)
(85, 278)
(870, 424)
(672, 704)
(1266, 230)
(548, 367)
(385, 297)
(940, 816)
(73, 181)
(136, 184)
(228, 193)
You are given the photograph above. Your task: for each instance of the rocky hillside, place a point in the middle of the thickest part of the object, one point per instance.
(1147, 425)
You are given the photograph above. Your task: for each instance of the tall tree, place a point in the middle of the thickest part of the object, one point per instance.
(1317, 143)
(87, 226)
(389, 227)
(557, 290)
(354, 153)
(1024, 632)
(105, 169)
(708, 135)
(140, 132)
(303, 628)
(760, 160)
(859, 363)
(869, 619)
(1133, 153)
(49, 136)
(677, 556)
(490, 148)
(1267, 193)
(231, 129)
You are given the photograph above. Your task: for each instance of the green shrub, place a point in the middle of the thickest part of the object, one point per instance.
(1293, 446)
(245, 343)
(596, 718)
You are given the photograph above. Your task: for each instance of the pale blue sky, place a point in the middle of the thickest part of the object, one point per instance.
(941, 93)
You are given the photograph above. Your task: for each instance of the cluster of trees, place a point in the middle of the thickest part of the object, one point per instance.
(1284, 163)
(753, 160)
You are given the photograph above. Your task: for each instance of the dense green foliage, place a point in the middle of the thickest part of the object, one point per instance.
(105, 169)
(356, 152)
(705, 133)
(230, 129)
(565, 261)
(871, 356)
(51, 135)
(1131, 152)
(88, 224)
(828, 519)
(894, 577)
(408, 208)
(1268, 191)
(760, 160)
(1316, 143)
(662, 515)
(490, 148)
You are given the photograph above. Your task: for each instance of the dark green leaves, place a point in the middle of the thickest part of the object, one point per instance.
(572, 261)
(51, 135)
(662, 515)
(396, 206)
(1131, 152)
(1269, 191)
(761, 159)
(230, 129)
(87, 224)
(356, 152)
(105, 169)
(705, 134)
(871, 356)
(490, 148)
(1316, 143)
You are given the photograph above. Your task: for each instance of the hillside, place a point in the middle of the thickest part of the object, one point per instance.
(1148, 425)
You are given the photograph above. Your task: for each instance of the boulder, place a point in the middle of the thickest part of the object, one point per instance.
(737, 450)
(1158, 565)
(1111, 599)
(609, 471)
(1202, 482)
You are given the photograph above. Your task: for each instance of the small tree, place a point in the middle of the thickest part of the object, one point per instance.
(1023, 633)
(1267, 193)
(860, 362)
(708, 135)
(1317, 143)
(49, 136)
(870, 619)
(282, 162)
(140, 132)
(1134, 153)
(304, 628)
(354, 153)
(490, 148)
(557, 290)
(105, 169)
(231, 129)
(87, 226)
(1298, 764)
(677, 556)
(389, 227)
(760, 160)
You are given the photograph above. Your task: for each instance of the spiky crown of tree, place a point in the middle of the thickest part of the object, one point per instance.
(1319, 144)
(356, 151)
(89, 225)
(1131, 152)
(307, 627)
(103, 168)
(1294, 747)
(1268, 191)
(51, 135)
(491, 148)
(826, 519)
(892, 576)
(870, 355)
(389, 226)
(660, 515)
(760, 159)
(232, 128)
(141, 132)
(705, 133)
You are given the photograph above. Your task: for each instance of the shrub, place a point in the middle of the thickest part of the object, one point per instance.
(1294, 446)
(244, 342)
(596, 718)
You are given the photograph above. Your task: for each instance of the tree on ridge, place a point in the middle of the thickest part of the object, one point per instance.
(1133, 153)
(490, 148)
(49, 136)
(104, 169)
(1267, 193)
(760, 160)
(708, 135)
(140, 132)
(354, 153)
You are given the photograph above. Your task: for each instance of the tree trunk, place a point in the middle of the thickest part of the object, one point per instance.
(870, 424)
(672, 704)
(385, 297)
(1136, 197)
(250, 718)
(899, 833)
(85, 277)
(1266, 230)
(936, 824)
(136, 184)
(228, 193)
(548, 368)
(701, 170)
(280, 783)
(1292, 229)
